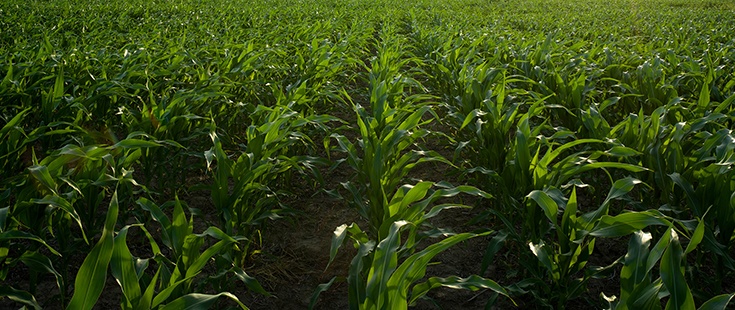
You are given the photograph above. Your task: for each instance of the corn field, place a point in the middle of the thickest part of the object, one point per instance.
(520, 154)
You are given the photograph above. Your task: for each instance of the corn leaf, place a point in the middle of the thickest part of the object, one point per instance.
(547, 204)
(321, 288)
(19, 296)
(627, 223)
(697, 237)
(63, 204)
(40, 263)
(197, 301)
(672, 276)
(718, 302)
(122, 268)
(92, 275)
(385, 261)
(414, 268)
(17, 234)
(646, 296)
(634, 273)
(472, 283)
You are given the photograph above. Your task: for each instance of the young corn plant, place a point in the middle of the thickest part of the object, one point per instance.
(92, 275)
(241, 189)
(13, 146)
(376, 279)
(76, 178)
(61, 197)
(691, 160)
(177, 267)
(640, 288)
(563, 244)
(383, 157)
(175, 121)
(659, 143)
(20, 247)
(186, 258)
(713, 196)
(318, 68)
(538, 162)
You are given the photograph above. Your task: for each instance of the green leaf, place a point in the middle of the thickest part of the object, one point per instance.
(158, 216)
(472, 283)
(165, 293)
(338, 237)
(122, 267)
(627, 223)
(14, 121)
(62, 204)
(672, 276)
(385, 261)
(19, 296)
(321, 288)
(58, 85)
(202, 260)
(92, 275)
(689, 192)
(718, 302)
(470, 117)
(42, 175)
(40, 263)
(17, 234)
(147, 298)
(634, 270)
(179, 229)
(547, 204)
(646, 296)
(619, 189)
(414, 194)
(250, 282)
(496, 243)
(658, 250)
(355, 280)
(704, 94)
(3, 217)
(697, 237)
(414, 268)
(569, 217)
(135, 144)
(197, 301)
(542, 252)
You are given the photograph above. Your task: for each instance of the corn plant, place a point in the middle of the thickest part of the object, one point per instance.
(541, 163)
(377, 280)
(185, 260)
(695, 151)
(562, 245)
(384, 159)
(14, 240)
(713, 172)
(64, 191)
(92, 275)
(76, 177)
(13, 145)
(639, 286)
(175, 276)
(265, 159)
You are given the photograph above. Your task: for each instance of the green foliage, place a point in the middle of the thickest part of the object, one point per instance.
(573, 120)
